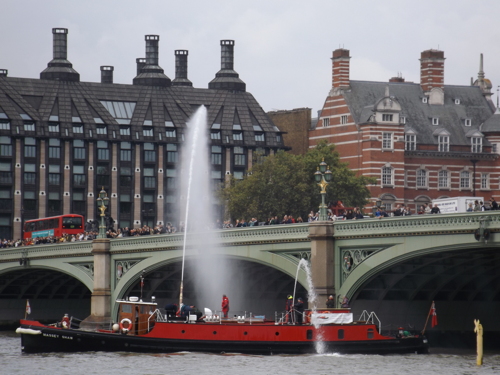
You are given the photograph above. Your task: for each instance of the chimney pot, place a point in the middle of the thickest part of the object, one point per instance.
(59, 68)
(151, 74)
(107, 74)
(181, 68)
(3, 72)
(226, 78)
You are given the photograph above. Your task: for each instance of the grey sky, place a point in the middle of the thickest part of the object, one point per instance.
(282, 47)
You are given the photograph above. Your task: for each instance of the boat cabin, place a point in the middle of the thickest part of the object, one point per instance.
(135, 316)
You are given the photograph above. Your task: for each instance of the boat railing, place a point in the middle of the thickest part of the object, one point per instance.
(371, 318)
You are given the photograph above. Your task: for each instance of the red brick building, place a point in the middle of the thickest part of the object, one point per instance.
(421, 141)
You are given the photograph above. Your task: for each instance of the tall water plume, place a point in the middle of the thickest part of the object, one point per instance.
(196, 198)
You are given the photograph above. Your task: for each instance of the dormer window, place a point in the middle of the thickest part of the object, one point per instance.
(468, 122)
(410, 142)
(402, 119)
(424, 100)
(435, 121)
(477, 144)
(386, 117)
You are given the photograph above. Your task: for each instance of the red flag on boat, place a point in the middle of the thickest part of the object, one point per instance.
(28, 307)
(434, 315)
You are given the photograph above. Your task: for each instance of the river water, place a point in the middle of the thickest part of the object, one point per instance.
(12, 361)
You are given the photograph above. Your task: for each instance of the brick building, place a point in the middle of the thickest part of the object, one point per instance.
(62, 140)
(295, 124)
(421, 141)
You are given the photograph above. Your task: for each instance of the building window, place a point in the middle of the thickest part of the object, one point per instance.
(386, 117)
(468, 122)
(457, 101)
(125, 176)
(5, 146)
(121, 111)
(410, 142)
(29, 147)
(125, 204)
(5, 173)
(29, 202)
(172, 155)
(387, 176)
(149, 152)
(124, 130)
(78, 175)
(424, 100)
(53, 127)
(464, 180)
(147, 132)
(102, 176)
(6, 204)
(402, 119)
(170, 131)
(125, 151)
(239, 156)
(443, 179)
(485, 181)
(215, 134)
(54, 148)
(54, 174)
(29, 126)
(4, 125)
(171, 174)
(343, 119)
(29, 174)
(79, 202)
(421, 178)
(54, 203)
(216, 155)
(79, 149)
(259, 137)
(102, 150)
(477, 144)
(326, 121)
(237, 136)
(435, 121)
(149, 178)
(238, 175)
(387, 141)
(77, 129)
(101, 130)
(444, 143)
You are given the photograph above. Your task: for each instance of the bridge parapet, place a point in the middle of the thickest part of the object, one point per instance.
(66, 249)
(418, 225)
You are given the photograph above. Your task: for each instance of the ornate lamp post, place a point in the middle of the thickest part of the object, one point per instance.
(323, 176)
(102, 204)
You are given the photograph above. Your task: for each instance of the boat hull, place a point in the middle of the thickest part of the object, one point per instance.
(37, 338)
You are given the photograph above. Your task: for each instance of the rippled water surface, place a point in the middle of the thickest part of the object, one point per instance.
(12, 361)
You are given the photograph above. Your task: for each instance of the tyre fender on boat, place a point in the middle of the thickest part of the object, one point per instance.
(128, 324)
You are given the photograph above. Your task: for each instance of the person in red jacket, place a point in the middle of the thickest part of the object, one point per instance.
(225, 305)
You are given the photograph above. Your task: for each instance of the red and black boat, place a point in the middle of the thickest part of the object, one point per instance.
(144, 328)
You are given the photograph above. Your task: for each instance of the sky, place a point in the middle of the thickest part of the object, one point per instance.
(283, 48)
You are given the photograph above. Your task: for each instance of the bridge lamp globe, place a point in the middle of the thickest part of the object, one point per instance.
(328, 175)
(322, 166)
(317, 176)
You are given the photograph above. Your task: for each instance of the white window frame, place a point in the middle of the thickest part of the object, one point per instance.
(387, 141)
(485, 181)
(443, 179)
(421, 178)
(410, 142)
(468, 122)
(387, 176)
(465, 182)
(476, 144)
(444, 143)
(326, 122)
(435, 121)
(424, 100)
(343, 119)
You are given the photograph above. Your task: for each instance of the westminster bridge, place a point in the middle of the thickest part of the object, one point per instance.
(394, 266)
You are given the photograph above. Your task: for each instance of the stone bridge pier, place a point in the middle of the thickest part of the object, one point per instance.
(322, 259)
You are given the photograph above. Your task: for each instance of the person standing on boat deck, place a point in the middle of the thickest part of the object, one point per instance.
(225, 305)
(330, 302)
(288, 308)
(299, 310)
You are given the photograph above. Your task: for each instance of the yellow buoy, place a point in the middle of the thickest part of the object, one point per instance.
(479, 331)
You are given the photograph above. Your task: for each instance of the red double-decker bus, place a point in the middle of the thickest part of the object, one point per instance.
(53, 226)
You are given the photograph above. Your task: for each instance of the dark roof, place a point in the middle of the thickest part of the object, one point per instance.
(362, 96)
(37, 98)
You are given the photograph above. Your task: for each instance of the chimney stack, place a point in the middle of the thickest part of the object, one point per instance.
(141, 63)
(432, 70)
(59, 68)
(3, 72)
(152, 74)
(226, 78)
(340, 68)
(181, 69)
(107, 74)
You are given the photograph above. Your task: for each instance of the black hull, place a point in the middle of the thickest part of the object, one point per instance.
(57, 340)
